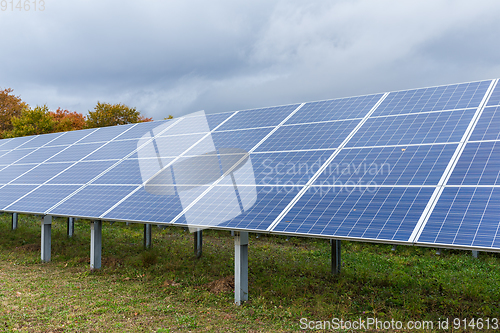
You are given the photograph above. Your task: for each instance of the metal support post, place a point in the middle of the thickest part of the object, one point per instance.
(71, 226)
(147, 236)
(240, 267)
(95, 244)
(14, 221)
(474, 253)
(198, 243)
(336, 256)
(46, 238)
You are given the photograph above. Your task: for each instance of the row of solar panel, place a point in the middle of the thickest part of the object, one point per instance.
(384, 213)
(453, 97)
(412, 165)
(409, 130)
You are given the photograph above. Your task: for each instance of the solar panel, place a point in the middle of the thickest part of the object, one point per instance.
(418, 167)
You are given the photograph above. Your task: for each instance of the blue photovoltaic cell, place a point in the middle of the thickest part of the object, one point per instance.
(479, 164)
(113, 150)
(70, 137)
(140, 129)
(153, 208)
(3, 142)
(259, 117)
(7, 174)
(75, 152)
(127, 172)
(436, 127)
(385, 213)
(457, 96)
(41, 173)
(167, 146)
(42, 140)
(215, 120)
(243, 139)
(269, 203)
(15, 155)
(286, 169)
(92, 201)
(42, 198)
(194, 124)
(82, 172)
(40, 155)
(16, 143)
(309, 136)
(104, 134)
(335, 109)
(10, 193)
(412, 165)
(466, 216)
(495, 96)
(487, 128)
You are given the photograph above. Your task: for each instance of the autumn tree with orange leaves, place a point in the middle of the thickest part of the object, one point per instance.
(106, 114)
(10, 106)
(67, 121)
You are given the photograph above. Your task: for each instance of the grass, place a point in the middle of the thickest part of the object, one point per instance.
(166, 289)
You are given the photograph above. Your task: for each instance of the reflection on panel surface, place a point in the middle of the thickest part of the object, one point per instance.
(455, 96)
(478, 165)
(309, 136)
(411, 165)
(42, 198)
(258, 117)
(433, 127)
(384, 213)
(488, 125)
(466, 216)
(335, 109)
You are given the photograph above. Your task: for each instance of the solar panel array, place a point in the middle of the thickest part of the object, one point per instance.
(415, 167)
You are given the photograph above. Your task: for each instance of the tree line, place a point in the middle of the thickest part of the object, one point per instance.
(17, 118)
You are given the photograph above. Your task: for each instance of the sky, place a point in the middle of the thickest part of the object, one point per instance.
(177, 57)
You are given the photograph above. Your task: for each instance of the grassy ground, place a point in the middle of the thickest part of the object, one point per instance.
(166, 289)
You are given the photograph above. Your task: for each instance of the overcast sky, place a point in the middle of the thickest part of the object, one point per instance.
(177, 57)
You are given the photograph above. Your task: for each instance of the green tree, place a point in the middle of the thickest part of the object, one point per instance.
(32, 122)
(106, 114)
(10, 106)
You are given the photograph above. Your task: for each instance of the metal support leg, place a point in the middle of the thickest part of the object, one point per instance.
(14, 221)
(71, 226)
(198, 243)
(147, 236)
(336, 256)
(240, 267)
(95, 244)
(474, 253)
(46, 238)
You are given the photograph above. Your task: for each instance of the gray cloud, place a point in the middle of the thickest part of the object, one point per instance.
(179, 57)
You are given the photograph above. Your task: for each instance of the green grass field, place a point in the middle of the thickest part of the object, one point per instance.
(166, 289)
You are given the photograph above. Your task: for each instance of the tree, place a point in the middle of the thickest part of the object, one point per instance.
(10, 106)
(106, 114)
(67, 121)
(33, 122)
(169, 117)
